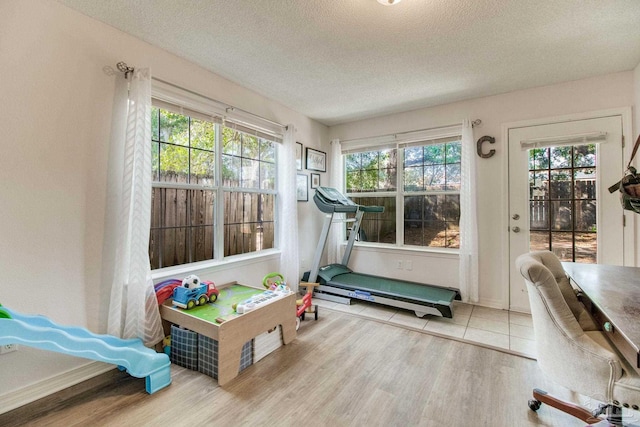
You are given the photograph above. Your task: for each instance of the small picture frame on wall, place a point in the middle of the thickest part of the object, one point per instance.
(316, 160)
(315, 180)
(302, 187)
(299, 156)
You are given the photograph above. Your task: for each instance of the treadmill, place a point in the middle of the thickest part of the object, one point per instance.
(338, 283)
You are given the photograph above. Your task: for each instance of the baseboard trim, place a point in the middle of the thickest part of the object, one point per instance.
(526, 310)
(44, 388)
(490, 303)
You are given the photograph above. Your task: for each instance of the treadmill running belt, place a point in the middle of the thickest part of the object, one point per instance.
(393, 288)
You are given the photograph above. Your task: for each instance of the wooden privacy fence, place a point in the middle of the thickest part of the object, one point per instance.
(249, 222)
(182, 223)
(428, 220)
(553, 209)
(379, 227)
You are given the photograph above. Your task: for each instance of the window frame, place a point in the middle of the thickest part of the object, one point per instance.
(169, 97)
(412, 139)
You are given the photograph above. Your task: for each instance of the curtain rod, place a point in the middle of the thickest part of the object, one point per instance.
(476, 122)
(123, 67)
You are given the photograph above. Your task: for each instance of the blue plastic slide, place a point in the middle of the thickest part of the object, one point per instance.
(130, 355)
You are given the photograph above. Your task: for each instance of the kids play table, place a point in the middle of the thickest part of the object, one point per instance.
(220, 322)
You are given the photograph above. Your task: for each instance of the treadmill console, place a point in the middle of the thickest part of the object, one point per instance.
(331, 200)
(333, 195)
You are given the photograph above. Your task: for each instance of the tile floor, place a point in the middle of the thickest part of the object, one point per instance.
(488, 327)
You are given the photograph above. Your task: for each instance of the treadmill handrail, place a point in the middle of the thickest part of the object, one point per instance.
(371, 209)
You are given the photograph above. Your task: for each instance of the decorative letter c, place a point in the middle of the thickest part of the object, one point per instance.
(491, 152)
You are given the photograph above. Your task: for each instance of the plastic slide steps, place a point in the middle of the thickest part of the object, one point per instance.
(128, 354)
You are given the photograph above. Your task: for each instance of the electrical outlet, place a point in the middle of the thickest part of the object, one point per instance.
(408, 265)
(399, 265)
(8, 348)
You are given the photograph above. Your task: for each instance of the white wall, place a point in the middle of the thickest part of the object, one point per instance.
(604, 92)
(55, 121)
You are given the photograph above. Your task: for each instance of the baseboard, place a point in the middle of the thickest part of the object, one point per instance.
(526, 310)
(33, 392)
(494, 303)
(490, 303)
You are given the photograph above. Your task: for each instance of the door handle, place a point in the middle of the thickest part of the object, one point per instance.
(515, 229)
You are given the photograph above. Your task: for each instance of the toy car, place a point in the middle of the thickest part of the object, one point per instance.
(190, 297)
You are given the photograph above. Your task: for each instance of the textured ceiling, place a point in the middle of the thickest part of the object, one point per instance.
(341, 60)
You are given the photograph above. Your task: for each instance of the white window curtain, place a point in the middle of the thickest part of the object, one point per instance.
(133, 308)
(468, 218)
(336, 180)
(288, 209)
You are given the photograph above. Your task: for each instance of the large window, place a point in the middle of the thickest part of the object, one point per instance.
(426, 190)
(202, 213)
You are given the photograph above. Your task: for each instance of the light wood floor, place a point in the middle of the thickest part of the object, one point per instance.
(342, 370)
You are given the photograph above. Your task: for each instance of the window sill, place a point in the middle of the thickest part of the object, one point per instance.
(202, 267)
(393, 249)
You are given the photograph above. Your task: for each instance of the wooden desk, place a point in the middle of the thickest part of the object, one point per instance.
(237, 329)
(612, 296)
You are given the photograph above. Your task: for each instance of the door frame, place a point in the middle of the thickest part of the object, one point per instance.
(630, 227)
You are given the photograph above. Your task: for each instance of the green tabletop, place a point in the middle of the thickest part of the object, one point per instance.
(223, 306)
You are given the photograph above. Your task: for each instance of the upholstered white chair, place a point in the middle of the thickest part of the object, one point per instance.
(570, 349)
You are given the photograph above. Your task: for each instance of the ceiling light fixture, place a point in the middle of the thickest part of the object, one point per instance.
(388, 2)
